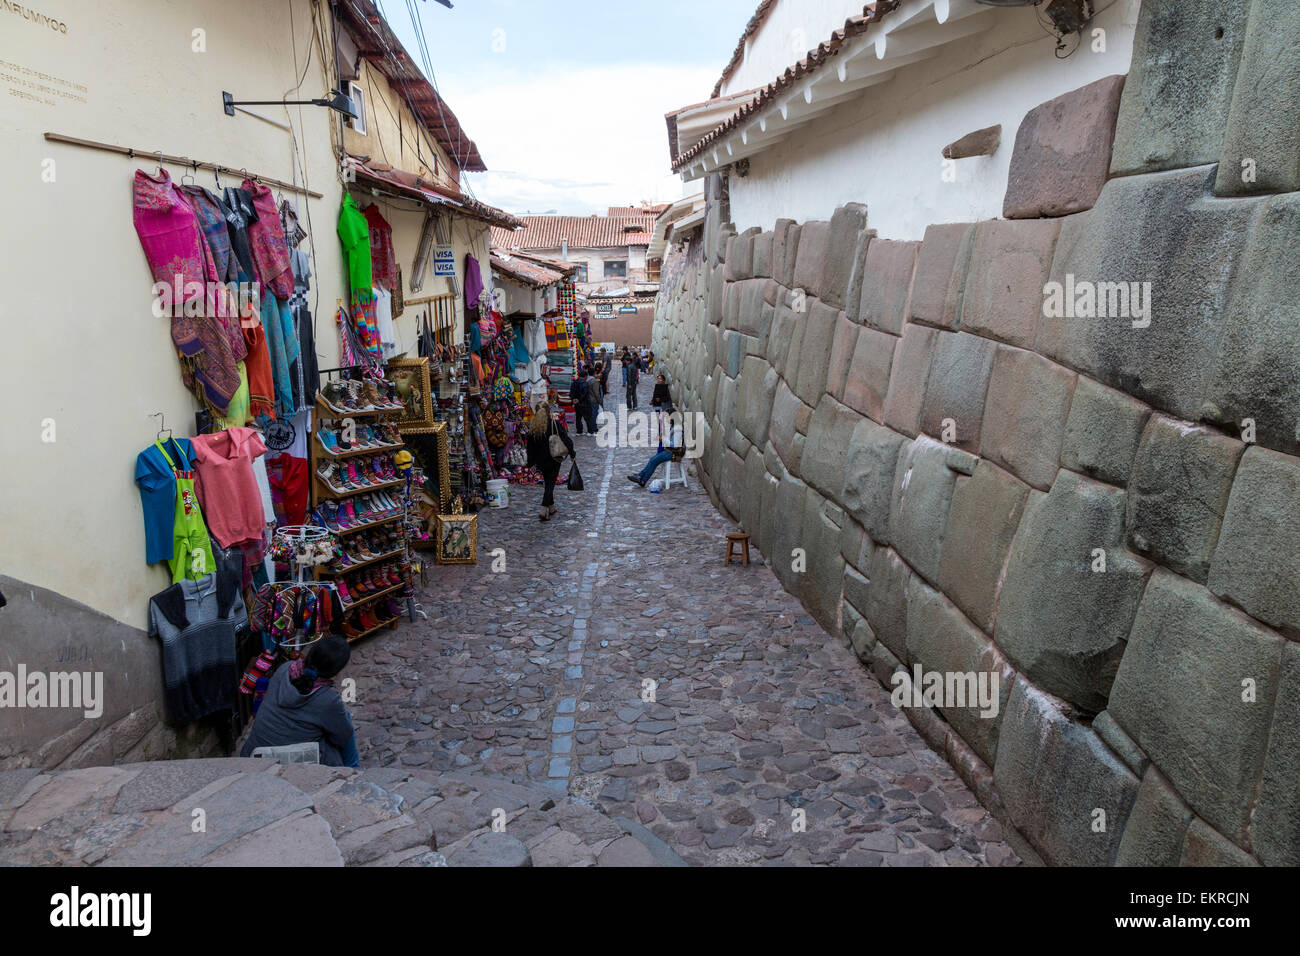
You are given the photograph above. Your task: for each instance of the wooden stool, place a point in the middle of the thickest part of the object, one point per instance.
(735, 538)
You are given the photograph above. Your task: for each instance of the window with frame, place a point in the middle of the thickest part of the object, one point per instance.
(357, 94)
(615, 268)
(582, 273)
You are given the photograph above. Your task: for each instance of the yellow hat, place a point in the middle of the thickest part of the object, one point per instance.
(402, 460)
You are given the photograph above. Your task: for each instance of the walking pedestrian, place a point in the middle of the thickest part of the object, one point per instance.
(581, 393)
(604, 378)
(633, 376)
(545, 426)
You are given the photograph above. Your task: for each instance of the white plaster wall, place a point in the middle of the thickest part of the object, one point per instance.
(884, 148)
(81, 345)
(792, 29)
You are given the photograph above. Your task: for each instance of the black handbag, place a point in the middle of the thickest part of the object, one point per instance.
(574, 481)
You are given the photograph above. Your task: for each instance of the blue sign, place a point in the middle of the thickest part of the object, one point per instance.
(627, 308)
(444, 259)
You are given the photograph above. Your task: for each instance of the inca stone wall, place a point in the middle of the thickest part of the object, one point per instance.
(1101, 507)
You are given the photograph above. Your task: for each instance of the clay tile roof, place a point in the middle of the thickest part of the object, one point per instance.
(436, 194)
(755, 23)
(524, 271)
(638, 238)
(582, 232)
(649, 209)
(816, 58)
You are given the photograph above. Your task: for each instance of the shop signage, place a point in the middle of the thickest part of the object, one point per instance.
(444, 259)
(604, 311)
(627, 308)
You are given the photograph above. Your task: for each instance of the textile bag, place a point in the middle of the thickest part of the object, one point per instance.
(574, 481)
(558, 449)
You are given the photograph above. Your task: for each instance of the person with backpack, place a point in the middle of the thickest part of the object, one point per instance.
(547, 436)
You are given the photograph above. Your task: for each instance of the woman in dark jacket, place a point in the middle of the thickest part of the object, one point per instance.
(660, 397)
(543, 426)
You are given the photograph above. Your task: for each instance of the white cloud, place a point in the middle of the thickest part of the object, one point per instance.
(574, 139)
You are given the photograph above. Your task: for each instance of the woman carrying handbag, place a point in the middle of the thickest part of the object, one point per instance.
(548, 445)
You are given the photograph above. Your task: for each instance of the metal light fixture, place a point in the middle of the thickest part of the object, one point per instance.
(336, 100)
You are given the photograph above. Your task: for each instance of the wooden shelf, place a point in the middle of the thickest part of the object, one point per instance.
(369, 524)
(337, 495)
(348, 608)
(362, 564)
(327, 410)
(391, 622)
(355, 452)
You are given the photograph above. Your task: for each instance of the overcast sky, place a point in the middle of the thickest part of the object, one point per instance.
(566, 98)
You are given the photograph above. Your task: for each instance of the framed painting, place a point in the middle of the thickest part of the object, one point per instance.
(411, 376)
(429, 445)
(455, 539)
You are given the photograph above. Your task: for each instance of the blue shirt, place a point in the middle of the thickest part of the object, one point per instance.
(158, 494)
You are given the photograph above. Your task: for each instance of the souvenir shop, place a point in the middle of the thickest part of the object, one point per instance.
(288, 511)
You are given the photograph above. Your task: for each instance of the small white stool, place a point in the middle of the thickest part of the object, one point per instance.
(679, 478)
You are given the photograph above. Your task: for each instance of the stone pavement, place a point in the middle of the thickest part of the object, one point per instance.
(233, 812)
(541, 672)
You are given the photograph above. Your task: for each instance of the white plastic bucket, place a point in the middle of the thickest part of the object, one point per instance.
(498, 493)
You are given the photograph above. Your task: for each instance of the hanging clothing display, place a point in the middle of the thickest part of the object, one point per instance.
(473, 287)
(237, 205)
(261, 383)
(156, 478)
(228, 489)
(266, 236)
(196, 622)
(169, 234)
(191, 547)
(300, 263)
(354, 232)
(383, 262)
(384, 322)
(212, 222)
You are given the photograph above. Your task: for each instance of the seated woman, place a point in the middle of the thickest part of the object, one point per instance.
(301, 706)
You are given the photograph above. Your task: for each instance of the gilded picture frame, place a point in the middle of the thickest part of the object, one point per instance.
(455, 539)
(438, 431)
(411, 376)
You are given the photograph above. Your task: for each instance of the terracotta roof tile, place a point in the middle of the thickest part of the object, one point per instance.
(582, 232)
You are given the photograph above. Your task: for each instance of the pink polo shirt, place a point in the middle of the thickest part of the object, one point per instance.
(227, 487)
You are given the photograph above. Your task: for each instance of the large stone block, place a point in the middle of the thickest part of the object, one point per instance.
(853, 294)
(1024, 414)
(918, 512)
(787, 531)
(1256, 374)
(757, 383)
(1263, 131)
(825, 454)
(1102, 432)
(866, 381)
(1062, 155)
(953, 409)
(886, 609)
(810, 260)
(1010, 263)
(749, 317)
(908, 379)
(754, 483)
(1205, 848)
(1053, 775)
(1178, 494)
(731, 485)
(847, 223)
(787, 412)
(1256, 564)
(821, 584)
(815, 352)
(941, 274)
(1155, 830)
(886, 284)
(1179, 694)
(1148, 239)
(763, 255)
(1062, 623)
(784, 323)
(869, 476)
(740, 255)
(982, 522)
(940, 639)
(1175, 103)
(1275, 824)
(785, 250)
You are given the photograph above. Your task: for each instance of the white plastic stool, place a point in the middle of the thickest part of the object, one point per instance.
(669, 478)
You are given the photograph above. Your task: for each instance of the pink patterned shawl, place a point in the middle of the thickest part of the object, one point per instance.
(270, 251)
(170, 234)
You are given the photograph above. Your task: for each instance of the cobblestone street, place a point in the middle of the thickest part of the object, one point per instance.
(536, 673)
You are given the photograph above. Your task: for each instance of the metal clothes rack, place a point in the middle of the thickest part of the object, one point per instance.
(186, 161)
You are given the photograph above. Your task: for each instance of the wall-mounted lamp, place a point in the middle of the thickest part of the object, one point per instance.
(335, 101)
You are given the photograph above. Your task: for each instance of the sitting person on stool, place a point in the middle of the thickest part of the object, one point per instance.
(302, 707)
(674, 452)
